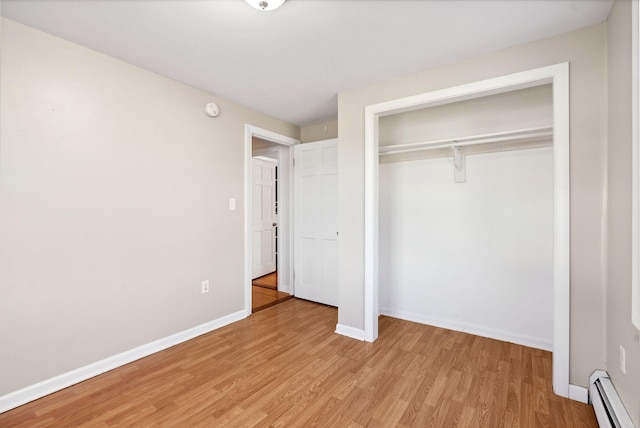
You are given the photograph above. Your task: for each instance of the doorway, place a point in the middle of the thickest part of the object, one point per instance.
(264, 218)
(266, 145)
(558, 76)
(264, 223)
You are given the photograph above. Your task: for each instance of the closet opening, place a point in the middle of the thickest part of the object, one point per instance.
(466, 216)
(477, 154)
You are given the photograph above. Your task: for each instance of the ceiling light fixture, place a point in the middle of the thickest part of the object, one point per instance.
(265, 4)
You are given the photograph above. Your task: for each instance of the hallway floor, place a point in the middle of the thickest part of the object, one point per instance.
(264, 292)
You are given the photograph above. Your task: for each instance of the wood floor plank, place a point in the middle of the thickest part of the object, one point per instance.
(284, 366)
(262, 298)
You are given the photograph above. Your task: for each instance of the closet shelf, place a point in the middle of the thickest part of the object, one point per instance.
(528, 134)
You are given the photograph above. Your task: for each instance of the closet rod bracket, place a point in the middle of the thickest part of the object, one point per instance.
(459, 164)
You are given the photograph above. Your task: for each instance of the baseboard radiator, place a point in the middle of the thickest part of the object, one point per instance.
(606, 402)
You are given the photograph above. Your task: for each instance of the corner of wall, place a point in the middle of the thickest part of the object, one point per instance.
(321, 131)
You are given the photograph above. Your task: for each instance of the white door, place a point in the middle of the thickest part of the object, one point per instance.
(263, 213)
(316, 221)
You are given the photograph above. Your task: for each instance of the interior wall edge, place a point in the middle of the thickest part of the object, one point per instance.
(125, 204)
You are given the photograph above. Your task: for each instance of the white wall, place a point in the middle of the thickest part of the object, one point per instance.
(522, 109)
(474, 256)
(283, 155)
(114, 190)
(319, 132)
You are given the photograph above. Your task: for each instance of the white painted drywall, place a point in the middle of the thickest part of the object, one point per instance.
(114, 189)
(320, 131)
(474, 256)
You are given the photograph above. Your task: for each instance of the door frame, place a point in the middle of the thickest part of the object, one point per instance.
(285, 216)
(556, 75)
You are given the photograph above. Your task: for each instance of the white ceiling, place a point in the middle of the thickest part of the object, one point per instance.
(292, 62)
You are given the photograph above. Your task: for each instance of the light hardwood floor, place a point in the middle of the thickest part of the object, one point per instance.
(267, 281)
(285, 366)
(263, 298)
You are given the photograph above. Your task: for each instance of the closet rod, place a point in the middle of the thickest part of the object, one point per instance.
(496, 137)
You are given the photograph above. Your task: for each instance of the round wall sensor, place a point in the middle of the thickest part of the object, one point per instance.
(211, 109)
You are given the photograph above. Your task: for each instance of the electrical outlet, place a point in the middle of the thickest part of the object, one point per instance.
(623, 360)
(205, 286)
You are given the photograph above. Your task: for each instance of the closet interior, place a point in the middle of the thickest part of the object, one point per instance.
(466, 216)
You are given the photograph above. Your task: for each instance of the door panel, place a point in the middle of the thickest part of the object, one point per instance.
(316, 231)
(263, 214)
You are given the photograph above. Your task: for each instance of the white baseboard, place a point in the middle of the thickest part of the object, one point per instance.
(38, 390)
(578, 393)
(505, 336)
(354, 333)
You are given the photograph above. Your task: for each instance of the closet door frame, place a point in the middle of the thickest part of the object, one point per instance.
(558, 76)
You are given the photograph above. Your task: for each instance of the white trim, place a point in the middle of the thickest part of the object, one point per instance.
(579, 393)
(354, 333)
(49, 386)
(613, 406)
(251, 131)
(558, 76)
(505, 336)
(635, 162)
